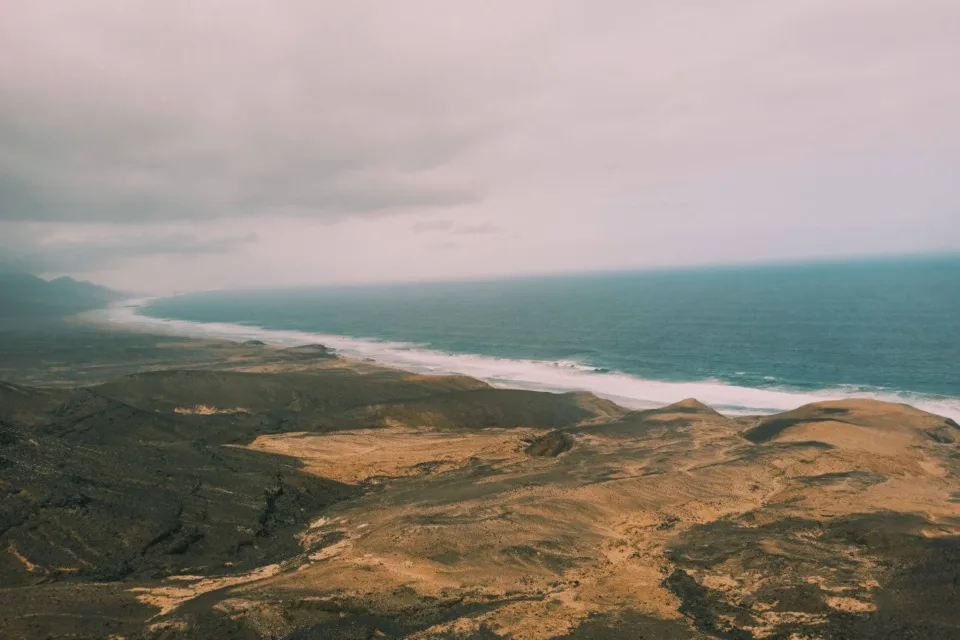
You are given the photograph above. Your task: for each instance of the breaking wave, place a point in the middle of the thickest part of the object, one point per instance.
(543, 375)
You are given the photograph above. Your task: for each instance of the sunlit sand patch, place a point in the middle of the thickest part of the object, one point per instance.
(315, 531)
(209, 410)
(22, 559)
(175, 626)
(357, 456)
(534, 620)
(850, 605)
(331, 551)
(459, 627)
(588, 534)
(168, 598)
(719, 582)
(848, 436)
(770, 621)
(932, 467)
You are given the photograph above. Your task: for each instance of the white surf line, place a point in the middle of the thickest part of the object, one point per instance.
(553, 376)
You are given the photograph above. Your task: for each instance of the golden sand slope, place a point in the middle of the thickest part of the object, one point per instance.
(615, 524)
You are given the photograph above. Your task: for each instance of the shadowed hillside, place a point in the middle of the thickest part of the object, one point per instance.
(24, 296)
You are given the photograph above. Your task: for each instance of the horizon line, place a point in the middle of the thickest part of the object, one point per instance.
(718, 266)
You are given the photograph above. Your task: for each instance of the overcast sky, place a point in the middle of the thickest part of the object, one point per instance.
(178, 145)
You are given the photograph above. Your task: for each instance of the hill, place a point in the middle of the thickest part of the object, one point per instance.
(324, 498)
(23, 295)
(670, 523)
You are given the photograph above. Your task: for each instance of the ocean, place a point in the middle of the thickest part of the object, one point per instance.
(756, 339)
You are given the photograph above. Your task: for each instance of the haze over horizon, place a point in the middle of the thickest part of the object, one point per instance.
(164, 147)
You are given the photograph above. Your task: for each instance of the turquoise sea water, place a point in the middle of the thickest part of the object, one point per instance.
(743, 339)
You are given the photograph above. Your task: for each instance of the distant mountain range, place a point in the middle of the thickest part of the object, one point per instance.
(23, 295)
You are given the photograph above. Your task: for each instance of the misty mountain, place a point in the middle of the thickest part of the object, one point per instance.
(23, 295)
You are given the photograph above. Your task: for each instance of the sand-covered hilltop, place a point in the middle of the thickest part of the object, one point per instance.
(239, 491)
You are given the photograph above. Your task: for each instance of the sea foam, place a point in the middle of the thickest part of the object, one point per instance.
(555, 376)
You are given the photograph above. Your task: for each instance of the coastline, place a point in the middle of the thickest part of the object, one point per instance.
(534, 375)
(239, 490)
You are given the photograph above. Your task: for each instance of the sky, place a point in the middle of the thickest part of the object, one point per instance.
(165, 146)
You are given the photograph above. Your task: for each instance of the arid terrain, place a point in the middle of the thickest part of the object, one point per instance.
(195, 489)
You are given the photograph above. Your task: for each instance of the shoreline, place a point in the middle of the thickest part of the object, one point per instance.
(532, 375)
(282, 478)
(424, 505)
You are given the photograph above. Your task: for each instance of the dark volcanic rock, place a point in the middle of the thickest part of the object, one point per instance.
(128, 508)
(333, 399)
(551, 444)
(96, 489)
(915, 600)
(631, 626)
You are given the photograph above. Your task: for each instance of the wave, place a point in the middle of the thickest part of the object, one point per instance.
(540, 375)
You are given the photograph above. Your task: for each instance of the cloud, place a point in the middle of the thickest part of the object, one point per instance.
(588, 130)
(429, 226)
(479, 228)
(32, 252)
(149, 112)
(432, 225)
(442, 246)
